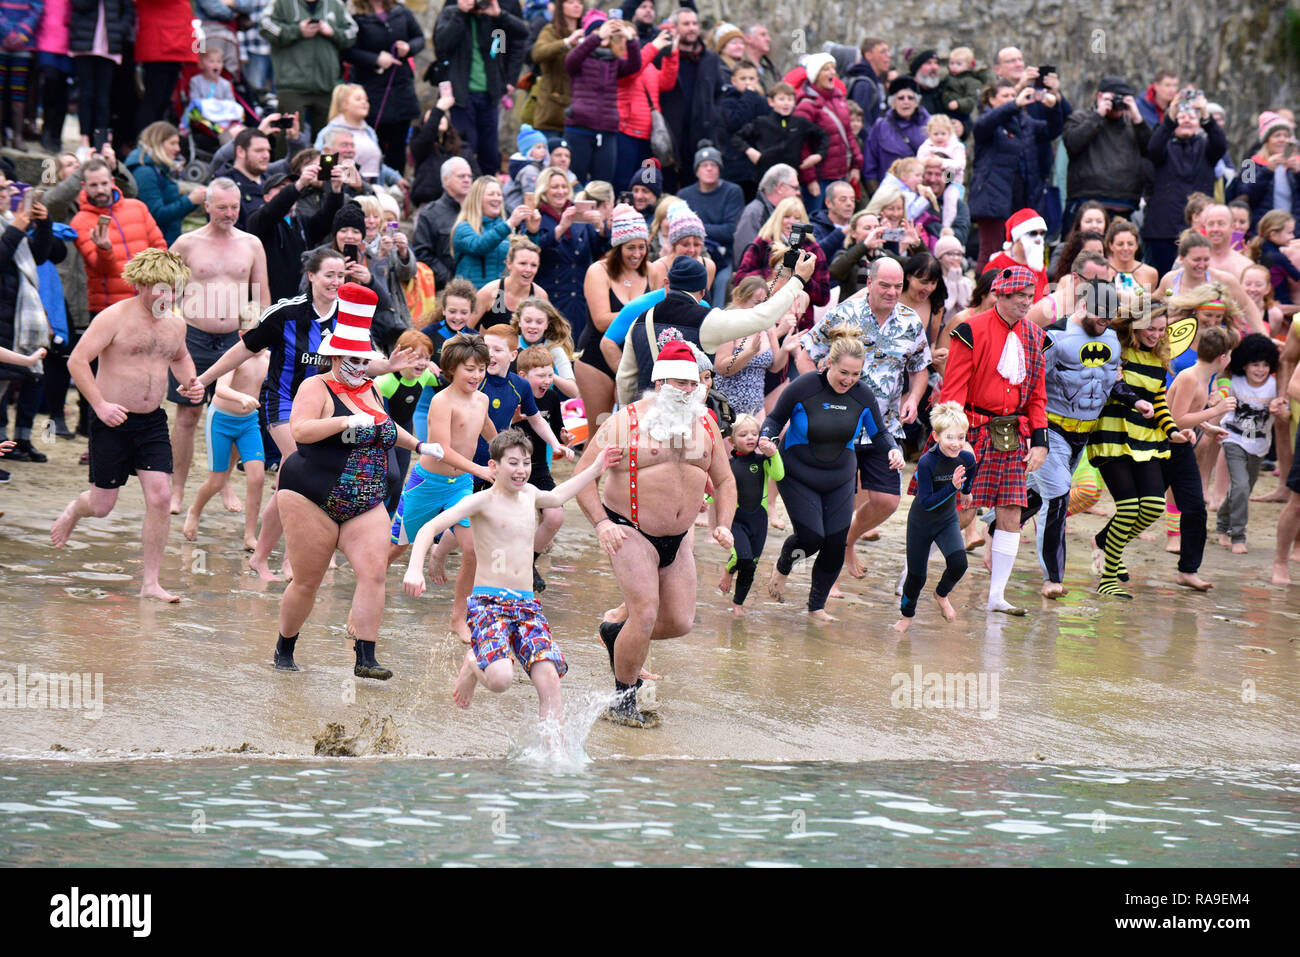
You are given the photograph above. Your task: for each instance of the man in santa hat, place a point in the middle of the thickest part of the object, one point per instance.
(645, 515)
(996, 372)
(1026, 245)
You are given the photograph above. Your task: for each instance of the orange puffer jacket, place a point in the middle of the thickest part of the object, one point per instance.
(132, 230)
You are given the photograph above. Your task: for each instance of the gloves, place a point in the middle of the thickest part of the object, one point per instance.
(360, 420)
(431, 448)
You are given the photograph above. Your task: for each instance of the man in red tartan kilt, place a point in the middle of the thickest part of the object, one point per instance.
(996, 372)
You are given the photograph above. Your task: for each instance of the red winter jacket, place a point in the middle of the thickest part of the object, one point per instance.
(633, 107)
(132, 230)
(843, 154)
(164, 33)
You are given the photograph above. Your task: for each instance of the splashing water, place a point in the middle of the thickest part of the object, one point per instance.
(558, 744)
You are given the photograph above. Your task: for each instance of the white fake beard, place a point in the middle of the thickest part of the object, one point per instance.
(1033, 250)
(673, 413)
(352, 373)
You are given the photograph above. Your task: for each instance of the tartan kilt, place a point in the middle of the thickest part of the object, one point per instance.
(999, 476)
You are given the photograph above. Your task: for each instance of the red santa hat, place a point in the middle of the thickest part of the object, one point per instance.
(1021, 222)
(676, 361)
(351, 335)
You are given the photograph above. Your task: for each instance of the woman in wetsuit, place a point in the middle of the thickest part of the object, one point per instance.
(332, 487)
(611, 283)
(828, 414)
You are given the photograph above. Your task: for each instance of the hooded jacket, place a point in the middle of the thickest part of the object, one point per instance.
(159, 191)
(637, 91)
(1181, 167)
(892, 138)
(829, 109)
(1006, 176)
(132, 230)
(594, 73)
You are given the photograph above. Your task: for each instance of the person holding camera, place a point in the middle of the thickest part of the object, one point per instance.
(609, 52)
(287, 230)
(1184, 149)
(1006, 175)
(478, 42)
(772, 254)
(1106, 146)
(1271, 178)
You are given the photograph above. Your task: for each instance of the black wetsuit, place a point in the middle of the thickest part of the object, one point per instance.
(933, 519)
(820, 470)
(749, 526)
(549, 408)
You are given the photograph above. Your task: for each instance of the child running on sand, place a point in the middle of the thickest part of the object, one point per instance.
(232, 421)
(754, 463)
(942, 473)
(504, 615)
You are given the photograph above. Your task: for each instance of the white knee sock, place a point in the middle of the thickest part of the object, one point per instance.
(1005, 546)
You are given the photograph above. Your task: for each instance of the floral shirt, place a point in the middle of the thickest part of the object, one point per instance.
(895, 347)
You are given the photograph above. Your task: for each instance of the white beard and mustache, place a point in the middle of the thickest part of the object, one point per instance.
(1033, 249)
(927, 81)
(673, 413)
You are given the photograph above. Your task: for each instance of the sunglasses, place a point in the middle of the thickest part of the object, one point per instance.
(904, 97)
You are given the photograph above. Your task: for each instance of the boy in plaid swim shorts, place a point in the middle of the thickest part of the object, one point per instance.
(504, 617)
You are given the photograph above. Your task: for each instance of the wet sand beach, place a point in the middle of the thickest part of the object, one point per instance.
(1172, 678)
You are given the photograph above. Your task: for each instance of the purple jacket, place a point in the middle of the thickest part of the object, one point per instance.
(892, 138)
(593, 83)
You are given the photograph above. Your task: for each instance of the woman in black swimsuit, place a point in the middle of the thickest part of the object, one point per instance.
(497, 301)
(612, 282)
(332, 488)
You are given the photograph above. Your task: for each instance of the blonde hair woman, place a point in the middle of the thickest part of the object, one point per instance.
(765, 254)
(480, 237)
(154, 164)
(349, 106)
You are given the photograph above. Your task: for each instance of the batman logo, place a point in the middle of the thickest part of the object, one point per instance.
(1094, 354)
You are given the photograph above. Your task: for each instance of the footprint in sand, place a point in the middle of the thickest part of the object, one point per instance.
(100, 576)
(93, 594)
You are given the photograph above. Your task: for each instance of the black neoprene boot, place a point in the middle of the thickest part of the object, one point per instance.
(367, 666)
(284, 654)
(624, 710)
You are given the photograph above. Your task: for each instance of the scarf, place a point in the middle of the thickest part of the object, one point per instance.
(358, 395)
(31, 328)
(1012, 364)
(546, 209)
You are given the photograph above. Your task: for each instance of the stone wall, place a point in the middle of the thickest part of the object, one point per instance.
(1238, 51)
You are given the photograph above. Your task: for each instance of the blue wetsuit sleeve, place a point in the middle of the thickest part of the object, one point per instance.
(927, 495)
(968, 460)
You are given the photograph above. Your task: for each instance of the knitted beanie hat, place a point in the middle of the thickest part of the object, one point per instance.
(626, 225)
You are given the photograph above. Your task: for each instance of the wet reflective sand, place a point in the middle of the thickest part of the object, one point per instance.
(1172, 679)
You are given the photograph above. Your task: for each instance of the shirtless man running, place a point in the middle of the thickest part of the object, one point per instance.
(137, 341)
(645, 518)
(228, 267)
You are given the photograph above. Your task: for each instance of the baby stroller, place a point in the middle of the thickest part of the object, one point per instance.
(202, 126)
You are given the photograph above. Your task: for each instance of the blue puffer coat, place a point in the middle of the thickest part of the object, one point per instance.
(158, 191)
(1006, 176)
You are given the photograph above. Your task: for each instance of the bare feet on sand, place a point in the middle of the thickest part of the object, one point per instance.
(821, 615)
(157, 593)
(263, 568)
(461, 628)
(466, 681)
(1224, 541)
(945, 607)
(250, 543)
(1053, 590)
(230, 499)
(738, 611)
(1192, 580)
(902, 625)
(724, 583)
(437, 568)
(1281, 573)
(987, 538)
(175, 508)
(835, 592)
(852, 564)
(1279, 494)
(1239, 548)
(777, 522)
(776, 585)
(191, 527)
(1174, 545)
(871, 535)
(62, 528)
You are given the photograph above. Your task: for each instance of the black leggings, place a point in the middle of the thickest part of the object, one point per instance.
(54, 101)
(821, 521)
(94, 84)
(749, 527)
(1182, 476)
(159, 84)
(57, 378)
(392, 141)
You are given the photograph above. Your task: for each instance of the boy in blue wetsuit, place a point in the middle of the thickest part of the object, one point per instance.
(754, 463)
(504, 615)
(945, 471)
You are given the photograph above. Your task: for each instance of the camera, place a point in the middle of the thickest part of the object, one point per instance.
(1043, 70)
(892, 235)
(798, 233)
(481, 5)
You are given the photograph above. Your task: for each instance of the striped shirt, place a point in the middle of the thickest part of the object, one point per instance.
(292, 330)
(1122, 431)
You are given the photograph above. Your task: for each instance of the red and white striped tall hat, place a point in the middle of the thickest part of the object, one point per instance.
(351, 335)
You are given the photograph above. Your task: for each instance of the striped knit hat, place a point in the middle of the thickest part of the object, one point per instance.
(682, 222)
(626, 225)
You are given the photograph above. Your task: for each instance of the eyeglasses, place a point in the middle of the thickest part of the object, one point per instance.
(904, 97)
